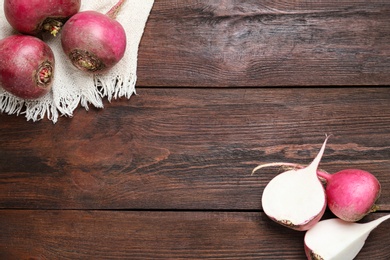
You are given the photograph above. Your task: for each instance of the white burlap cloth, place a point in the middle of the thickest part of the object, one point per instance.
(71, 87)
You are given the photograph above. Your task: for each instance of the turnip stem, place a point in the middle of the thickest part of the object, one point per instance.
(323, 175)
(113, 12)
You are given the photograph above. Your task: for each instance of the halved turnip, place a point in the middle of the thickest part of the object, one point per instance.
(296, 198)
(336, 239)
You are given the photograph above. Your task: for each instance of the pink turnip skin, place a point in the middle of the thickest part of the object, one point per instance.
(351, 193)
(26, 67)
(94, 42)
(35, 16)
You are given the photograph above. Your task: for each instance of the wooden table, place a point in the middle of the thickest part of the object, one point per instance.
(222, 87)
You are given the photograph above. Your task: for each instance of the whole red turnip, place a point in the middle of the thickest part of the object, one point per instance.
(35, 16)
(26, 67)
(94, 42)
(351, 193)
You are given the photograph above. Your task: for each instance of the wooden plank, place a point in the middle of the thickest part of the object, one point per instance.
(158, 235)
(266, 43)
(190, 148)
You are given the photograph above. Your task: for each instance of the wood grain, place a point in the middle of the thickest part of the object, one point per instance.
(190, 148)
(158, 235)
(266, 43)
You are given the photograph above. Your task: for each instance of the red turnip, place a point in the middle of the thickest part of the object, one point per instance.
(35, 16)
(351, 193)
(26, 67)
(94, 42)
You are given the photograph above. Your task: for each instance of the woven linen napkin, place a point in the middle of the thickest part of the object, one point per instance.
(72, 87)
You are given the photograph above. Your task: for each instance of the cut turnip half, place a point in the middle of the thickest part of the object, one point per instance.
(336, 239)
(296, 198)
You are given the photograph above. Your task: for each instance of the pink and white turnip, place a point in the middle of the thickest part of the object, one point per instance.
(26, 67)
(94, 42)
(36, 16)
(293, 199)
(296, 198)
(337, 239)
(351, 193)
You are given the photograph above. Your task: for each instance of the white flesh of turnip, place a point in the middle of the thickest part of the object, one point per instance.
(336, 239)
(296, 198)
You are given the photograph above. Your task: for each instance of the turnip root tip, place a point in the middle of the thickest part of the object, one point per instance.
(52, 26)
(287, 166)
(44, 75)
(86, 61)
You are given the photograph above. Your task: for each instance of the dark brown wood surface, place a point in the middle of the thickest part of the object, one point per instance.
(266, 43)
(222, 87)
(157, 235)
